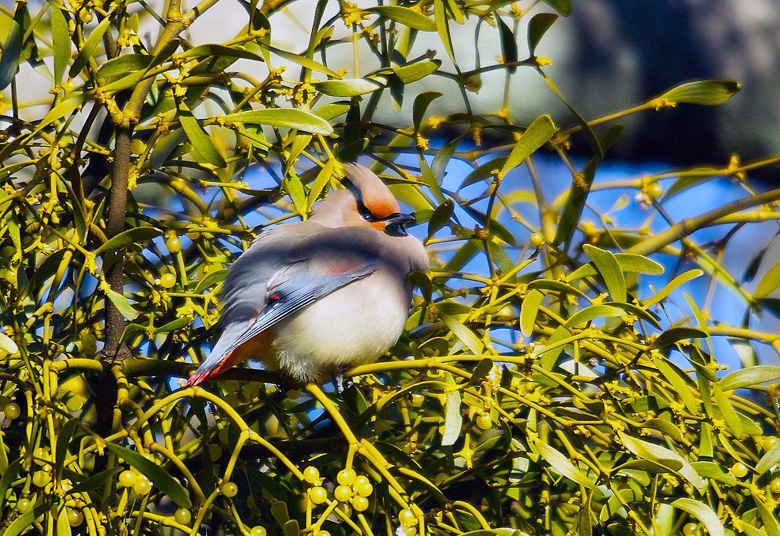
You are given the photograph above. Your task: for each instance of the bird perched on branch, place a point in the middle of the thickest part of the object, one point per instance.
(331, 291)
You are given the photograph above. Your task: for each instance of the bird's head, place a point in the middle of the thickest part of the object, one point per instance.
(366, 201)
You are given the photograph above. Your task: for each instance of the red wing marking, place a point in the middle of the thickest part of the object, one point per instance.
(252, 349)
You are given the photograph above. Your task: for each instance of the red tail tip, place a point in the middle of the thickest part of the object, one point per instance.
(196, 379)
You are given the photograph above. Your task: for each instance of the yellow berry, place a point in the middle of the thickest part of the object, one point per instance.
(229, 489)
(362, 486)
(85, 16)
(343, 493)
(167, 280)
(41, 454)
(537, 240)
(258, 530)
(417, 400)
(689, 528)
(739, 470)
(23, 505)
(318, 495)
(311, 475)
(215, 452)
(127, 479)
(183, 516)
(12, 411)
(359, 503)
(768, 443)
(75, 517)
(407, 518)
(654, 191)
(346, 477)
(323, 533)
(173, 244)
(142, 486)
(484, 421)
(774, 486)
(41, 478)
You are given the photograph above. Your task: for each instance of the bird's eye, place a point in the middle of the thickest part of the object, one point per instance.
(365, 213)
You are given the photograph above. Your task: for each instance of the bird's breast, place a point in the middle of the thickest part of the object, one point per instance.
(356, 324)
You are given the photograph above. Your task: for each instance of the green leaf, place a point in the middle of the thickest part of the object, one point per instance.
(155, 473)
(561, 6)
(453, 419)
(413, 72)
(703, 513)
(750, 376)
(89, 48)
(608, 267)
(440, 17)
(8, 476)
(136, 235)
(538, 26)
(590, 313)
(421, 103)
(680, 382)
(708, 92)
(441, 216)
(122, 65)
(713, 471)
(575, 202)
(60, 43)
(405, 16)
(202, 144)
(562, 465)
(63, 441)
(7, 344)
(63, 526)
(349, 87)
(629, 262)
(674, 335)
(294, 187)
(539, 132)
(214, 50)
(528, 311)
(508, 42)
(121, 304)
(283, 117)
(771, 524)
(672, 285)
(173, 325)
(300, 60)
(331, 110)
(12, 49)
(96, 480)
(464, 334)
(547, 358)
(25, 521)
(662, 456)
(768, 283)
(768, 460)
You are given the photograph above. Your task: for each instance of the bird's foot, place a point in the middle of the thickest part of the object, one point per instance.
(338, 380)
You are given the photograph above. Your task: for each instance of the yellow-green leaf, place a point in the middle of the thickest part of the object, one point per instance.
(674, 335)
(608, 267)
(562, 465)
(348, 87)
(590, 313)
(61, 43)
(122, 305)
(7, 344)
(440, 18)
(416, 71)
(703, 513)
(283, 117)
(768, 283)
(768, 460)
(662, 456)
(672, 286)
(12, 49)
(202, 144)
(539, 132)
(453, 419)
(707, 92)
(89, 47)
(405, 16)
(529, 310)
(750, 376)
(464, 334)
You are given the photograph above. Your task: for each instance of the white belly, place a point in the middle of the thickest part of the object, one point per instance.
(354, 325)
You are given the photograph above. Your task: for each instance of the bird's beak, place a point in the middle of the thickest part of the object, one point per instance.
(395, 223)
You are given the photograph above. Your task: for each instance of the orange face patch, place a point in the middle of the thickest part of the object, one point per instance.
(382, 207)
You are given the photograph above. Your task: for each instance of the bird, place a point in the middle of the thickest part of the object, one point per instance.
(311, 297)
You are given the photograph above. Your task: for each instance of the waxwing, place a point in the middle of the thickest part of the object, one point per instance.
(307, 298)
